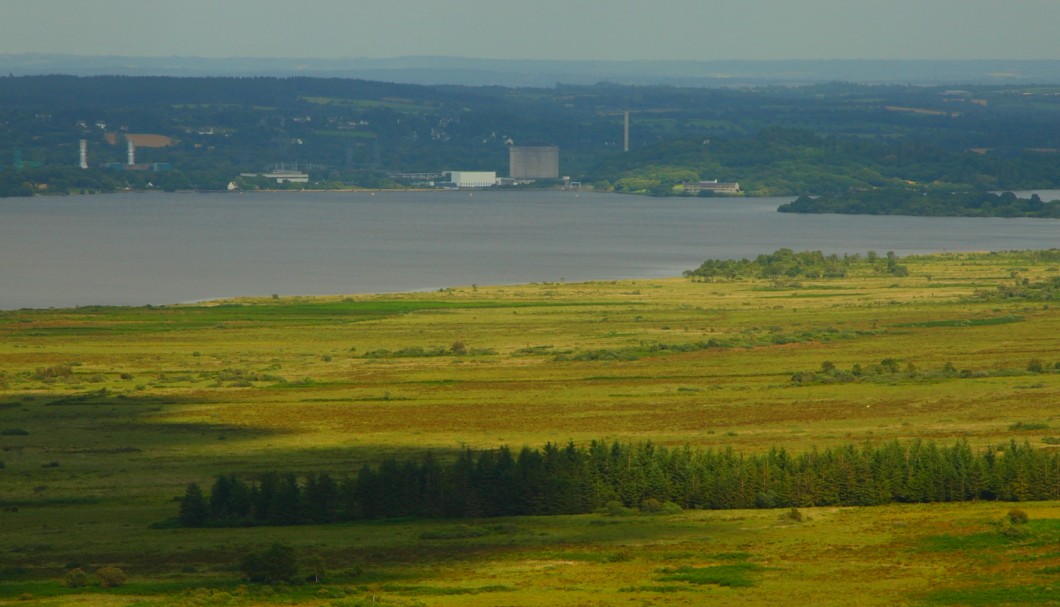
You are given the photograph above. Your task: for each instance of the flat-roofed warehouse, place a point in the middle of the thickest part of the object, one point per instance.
(533, 162)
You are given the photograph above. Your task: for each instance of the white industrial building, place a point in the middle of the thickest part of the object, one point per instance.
(473, 179)
(281, 176)
(719, 187)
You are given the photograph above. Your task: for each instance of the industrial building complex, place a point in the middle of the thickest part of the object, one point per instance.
(473, 179)
(533, 162)
(715, 186)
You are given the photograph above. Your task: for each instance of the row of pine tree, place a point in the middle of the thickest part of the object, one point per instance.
(573, 480)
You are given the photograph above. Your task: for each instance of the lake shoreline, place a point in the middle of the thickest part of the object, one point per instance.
(160, 248)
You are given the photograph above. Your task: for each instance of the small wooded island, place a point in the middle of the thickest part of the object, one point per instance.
(932, 204)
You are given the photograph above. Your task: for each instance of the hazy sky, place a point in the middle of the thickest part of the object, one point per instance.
(537, 29)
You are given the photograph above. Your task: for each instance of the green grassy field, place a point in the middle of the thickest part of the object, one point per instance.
(106, 414)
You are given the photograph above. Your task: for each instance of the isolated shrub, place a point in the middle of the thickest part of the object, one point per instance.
(75, 578)
(671, 508)
(794, 515)
(651, 506)
(277, 564)
(111, 577)
(616, 508)
(1036, 366)
(1017, 517)
(1009, 530)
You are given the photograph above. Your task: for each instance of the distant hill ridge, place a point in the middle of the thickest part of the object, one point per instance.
(543, 73)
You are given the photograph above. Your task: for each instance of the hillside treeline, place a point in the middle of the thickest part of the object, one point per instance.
(937, 204)
(778, 161)
(773, 140)
(573, 480)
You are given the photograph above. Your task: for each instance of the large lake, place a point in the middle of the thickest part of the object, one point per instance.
(141, 248)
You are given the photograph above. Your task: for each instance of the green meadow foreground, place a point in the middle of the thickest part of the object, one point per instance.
(107, 414)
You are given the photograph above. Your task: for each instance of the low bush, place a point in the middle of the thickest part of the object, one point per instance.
(616, 508)
(276, 564)
(1018, 517)
(75, 578)
(1029, 426)
(111, 577)
(735, 575)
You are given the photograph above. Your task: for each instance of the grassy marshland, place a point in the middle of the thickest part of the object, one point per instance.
(107, 414)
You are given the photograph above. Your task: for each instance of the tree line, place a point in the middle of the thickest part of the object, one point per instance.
(573, 480)
(836, 138)
(781, 161)
(916, 202)
(786, 263)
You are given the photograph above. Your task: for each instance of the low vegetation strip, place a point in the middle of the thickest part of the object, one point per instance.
(786, 263)
(747, 339)
(616, 477)
(735, 575)
(896, 201)
(890, 370)
(1024, 290)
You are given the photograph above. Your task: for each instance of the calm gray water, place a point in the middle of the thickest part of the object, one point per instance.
(133, 249)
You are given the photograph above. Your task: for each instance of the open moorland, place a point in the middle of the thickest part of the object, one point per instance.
(107, 414)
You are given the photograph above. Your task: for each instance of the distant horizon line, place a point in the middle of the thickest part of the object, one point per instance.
(472, 71)
(527, 59)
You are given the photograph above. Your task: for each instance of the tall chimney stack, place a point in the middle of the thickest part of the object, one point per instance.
(132, 151)
(84, 154)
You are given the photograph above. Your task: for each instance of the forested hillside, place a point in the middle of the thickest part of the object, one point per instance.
(773, 140)
(778, 162)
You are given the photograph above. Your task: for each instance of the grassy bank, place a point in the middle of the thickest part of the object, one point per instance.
(106, 414)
